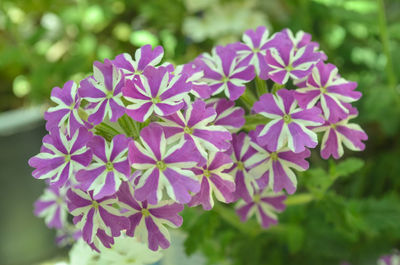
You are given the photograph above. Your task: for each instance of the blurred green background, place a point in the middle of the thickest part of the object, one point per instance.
(355, 211)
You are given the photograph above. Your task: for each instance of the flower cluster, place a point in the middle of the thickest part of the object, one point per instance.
(134, 142)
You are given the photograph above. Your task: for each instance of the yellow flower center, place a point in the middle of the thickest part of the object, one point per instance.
(240, 165)
(161, 165)
(109, 166)
(188, 130)
(95, 204)
(145, 212)
(207, 173)
(287, 118)
(257, 198)
(274, 156)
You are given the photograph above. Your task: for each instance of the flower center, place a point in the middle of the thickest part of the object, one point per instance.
(256, 50)
(274, 156)
(188, 130)
(161, 165)
(289, 68)
(156, 100)
(67, 158)
(145, 212)
(207, 173)
(333, 126)
(109, 94)
(324, 89)
(257, 198)
(240, 165)
(95, 204)
(225, 79)
(109, 166)
(287, 118)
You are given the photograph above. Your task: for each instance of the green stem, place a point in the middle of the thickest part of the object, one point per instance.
(129, 126)
(261, 86)
(299, 199)
(248, 99)
(391, 76)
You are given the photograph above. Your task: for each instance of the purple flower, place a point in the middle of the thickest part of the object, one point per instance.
(241, 152)
(276, 167)
(52, 207)
(103, 91)
(341, 133)
(144, 57)
(288, 123)
(389, 260)
(223, 72)
(214, 181)
(254, 48)
(228, 116)
(284, 60)
(326, 85)
(65, 114)
(302, 39)
(195, 125)
(61, 155)
(153, 91)
(98, 219)
(110, 166)
(147, 222)
(199, 88)
(264, 205)
(162, 167)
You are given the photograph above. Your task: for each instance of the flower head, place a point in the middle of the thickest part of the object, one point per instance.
(195, 125)
(199, 88)
(337, 134)
(99, 220)
(65, 114)
(109, 169)
(288, 125)
(144, 57)
(52, 206)
(154, 92)
(276, 167)
(264, 205)
(163, 167)
(254, 48)
(326, 86)
(245, 183)
(228, 116)
(214, 181)
(103, 91)
(284, 60)
(61, 155)
(147, 221)
(224, 73)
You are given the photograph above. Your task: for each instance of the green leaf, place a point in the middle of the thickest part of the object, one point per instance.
(348, 166)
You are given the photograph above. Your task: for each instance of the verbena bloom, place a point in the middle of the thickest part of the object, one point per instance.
(285, 61)
(65, 114)
(289, 124)
(276, 167)
(195, 125)
(199, 88)
(98, 219)
(228, 116)
(302, 39)
(254, 48)
(341, 133)
(245, 183)
(109, 168)
(128, 251)
(214, 181)
(103, 91)
(61, 155)
(147, 222)
(52, 207)
(264, 206)
(144, 57)
(326, 86)
(224, 73)
(163, 167)
(154, 92)
(389, 260)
